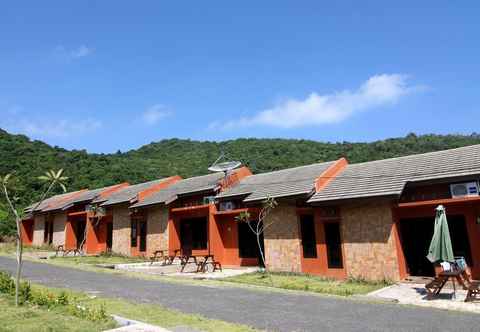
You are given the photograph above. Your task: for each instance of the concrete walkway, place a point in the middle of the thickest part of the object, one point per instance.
(409, 293)
(276, 311)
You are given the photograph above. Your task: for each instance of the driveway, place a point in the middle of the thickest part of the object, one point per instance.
(277, 311)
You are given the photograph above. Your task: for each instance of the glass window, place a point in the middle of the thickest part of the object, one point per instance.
(142, 225)
(334, 245)
(133, 234)
(309, 241)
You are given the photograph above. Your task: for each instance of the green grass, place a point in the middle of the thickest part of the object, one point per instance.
(304, 282)
(100, 259)
(36, 319)
(154, 314)
(10, 248)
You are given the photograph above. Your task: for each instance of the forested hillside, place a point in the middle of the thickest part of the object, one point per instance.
(29, 159)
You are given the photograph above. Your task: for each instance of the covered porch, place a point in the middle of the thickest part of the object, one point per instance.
(415, 221)
(202, 230)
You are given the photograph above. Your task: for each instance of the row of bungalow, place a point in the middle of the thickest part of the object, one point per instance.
(371, 220)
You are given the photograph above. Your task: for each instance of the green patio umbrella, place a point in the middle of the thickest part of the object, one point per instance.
(441, 246)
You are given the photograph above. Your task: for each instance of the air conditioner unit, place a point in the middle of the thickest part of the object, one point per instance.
(227, 206)
(464, 189)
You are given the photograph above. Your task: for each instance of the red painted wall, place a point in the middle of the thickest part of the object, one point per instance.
(319, 265)
(26, 230)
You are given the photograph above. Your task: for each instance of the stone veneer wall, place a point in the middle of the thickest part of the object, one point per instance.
(38, 230)
(121, 230)
(368, 241)
(59, 221)
(157, 229)
(282, 240)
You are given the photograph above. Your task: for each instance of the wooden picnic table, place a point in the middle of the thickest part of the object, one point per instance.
(201, 261)
(436, 286)
(163, 255)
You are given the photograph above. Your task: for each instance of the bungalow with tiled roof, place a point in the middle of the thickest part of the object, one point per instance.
(182, 216)
(127, 233)
(369, 220)
(387, 210)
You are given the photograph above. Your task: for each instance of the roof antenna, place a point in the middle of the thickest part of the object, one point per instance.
(225, 166)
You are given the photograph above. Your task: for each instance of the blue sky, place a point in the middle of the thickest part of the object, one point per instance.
(110, 75)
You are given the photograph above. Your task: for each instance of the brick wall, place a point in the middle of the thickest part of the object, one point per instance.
(121, 230)
(369, 244)
(157, 229)
(38, 230)
(59, 220)
(282, 240)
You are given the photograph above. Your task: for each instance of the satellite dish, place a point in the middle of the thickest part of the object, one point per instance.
(225, 166)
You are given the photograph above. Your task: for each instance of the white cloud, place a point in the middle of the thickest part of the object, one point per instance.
(316, 109)
(63, 53)
(154, 114)
(81, 52)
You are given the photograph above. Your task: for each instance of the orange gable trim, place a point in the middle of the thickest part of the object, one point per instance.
(157, 187)
(328, 175)
(111, 190)
(57, 202)
(234, 177)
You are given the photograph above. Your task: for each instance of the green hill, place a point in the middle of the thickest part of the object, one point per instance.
(29, 159)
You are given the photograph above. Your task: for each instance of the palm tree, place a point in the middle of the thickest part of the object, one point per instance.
(51, 179)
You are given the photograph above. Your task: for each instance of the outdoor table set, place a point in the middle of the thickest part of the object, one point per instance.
(454, 268)
(458, 273)
(202, 262)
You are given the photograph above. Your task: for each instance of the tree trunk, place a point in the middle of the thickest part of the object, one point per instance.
(19, 261)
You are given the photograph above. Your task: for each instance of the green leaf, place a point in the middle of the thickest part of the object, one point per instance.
(7, 177)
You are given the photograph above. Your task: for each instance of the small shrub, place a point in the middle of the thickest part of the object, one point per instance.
(24, 292)
(63, 299)
(7, 286)
(94, 314)
(44, 299)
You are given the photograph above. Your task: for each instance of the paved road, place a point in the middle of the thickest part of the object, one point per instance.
(277, 311)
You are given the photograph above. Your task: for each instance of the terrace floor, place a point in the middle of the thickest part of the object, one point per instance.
(174, 270)
(414, 293)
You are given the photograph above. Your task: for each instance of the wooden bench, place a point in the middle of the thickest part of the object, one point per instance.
(209, 260)
(162, 255)
(157, 256)
(66, 252)
(473, 291)
(435, 286)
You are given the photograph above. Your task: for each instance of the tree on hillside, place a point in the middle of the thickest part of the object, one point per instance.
(51, 179)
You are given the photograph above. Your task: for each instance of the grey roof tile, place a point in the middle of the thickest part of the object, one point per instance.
(127, 194)
(388, 177)
(87, 196)
(56, 202)
(191, 185)
(282, 183)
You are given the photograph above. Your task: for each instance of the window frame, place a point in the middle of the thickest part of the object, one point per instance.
(133, 234)
(314, 253)
(337, 246)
